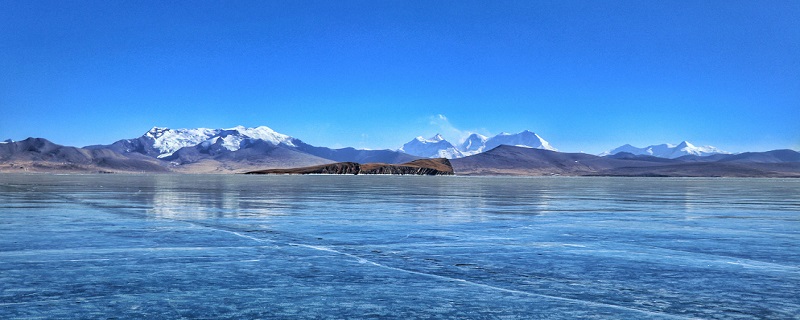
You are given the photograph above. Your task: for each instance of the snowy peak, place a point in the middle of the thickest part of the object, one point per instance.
(474, 144)
(166, 141)
(525, 138)
(684, 144)
(434, 139)
(435, 147)
(667, 150)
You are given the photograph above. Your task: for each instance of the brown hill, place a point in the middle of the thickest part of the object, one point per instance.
(509, 160)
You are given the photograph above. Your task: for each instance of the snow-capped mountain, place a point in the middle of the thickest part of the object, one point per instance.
(474, 144)
(435, 147)
(667, 150)
(167, 141)
(523, 139)
(246, 145)
(438, 147)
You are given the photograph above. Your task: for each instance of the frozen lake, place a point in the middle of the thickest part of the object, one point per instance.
(342, 247)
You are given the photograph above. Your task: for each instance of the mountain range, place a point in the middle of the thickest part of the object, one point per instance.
(510, 160)
(669, 151)
(438, 147)
(240, 149)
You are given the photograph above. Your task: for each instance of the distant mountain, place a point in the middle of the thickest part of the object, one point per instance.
(356, 155)
(252, 155)
(774, 156)
(513, 160)
(508, 160)
(640, 157)
(239, 148)
(438, 147)
(669, 151)
(163, 142)
(435, 147)
(524, 139)
(474, 144)
(41, 155)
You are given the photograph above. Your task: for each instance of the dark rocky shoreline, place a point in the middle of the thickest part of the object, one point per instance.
(427, 167)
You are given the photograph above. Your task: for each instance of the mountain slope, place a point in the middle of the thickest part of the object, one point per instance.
(355, 155)
(221, 150)
(508, 160)
(512, 160)
(774, 156)
(254, 155)
(41, 155)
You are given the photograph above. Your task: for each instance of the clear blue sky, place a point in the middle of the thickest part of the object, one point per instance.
(585, 75)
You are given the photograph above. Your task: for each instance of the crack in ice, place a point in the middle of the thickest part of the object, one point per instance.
(370, 262)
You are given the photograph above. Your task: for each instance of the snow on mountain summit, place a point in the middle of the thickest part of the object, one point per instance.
(474, 144)
(167, 141)
(438, 147)
(435, 147)
(525, 138)
(667, 150)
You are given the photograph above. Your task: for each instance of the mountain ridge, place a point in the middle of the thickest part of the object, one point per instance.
(437, 146)
(42, 155)
(240, 149)
(667, 150)
(511, 160)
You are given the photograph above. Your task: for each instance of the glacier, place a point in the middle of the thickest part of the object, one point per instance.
(167, 141)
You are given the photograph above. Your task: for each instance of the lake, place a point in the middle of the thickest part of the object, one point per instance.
(343, 247)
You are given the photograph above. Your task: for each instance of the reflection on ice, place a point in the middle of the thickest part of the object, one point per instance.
(397, 247)
(172, 198)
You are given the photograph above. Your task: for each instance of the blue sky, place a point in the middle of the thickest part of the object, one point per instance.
(586, 75)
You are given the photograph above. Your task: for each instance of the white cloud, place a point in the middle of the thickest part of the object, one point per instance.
(448, 130)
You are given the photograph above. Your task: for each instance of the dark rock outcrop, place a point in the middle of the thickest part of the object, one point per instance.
(430, 167)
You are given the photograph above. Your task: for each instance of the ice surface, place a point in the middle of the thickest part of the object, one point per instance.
(168, 246)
